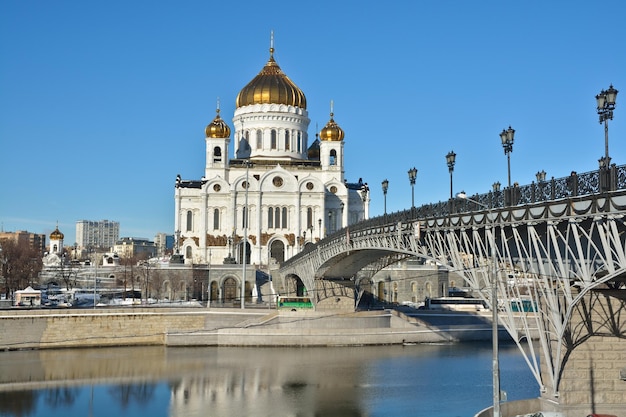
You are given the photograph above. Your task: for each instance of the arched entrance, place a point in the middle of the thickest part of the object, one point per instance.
(277, 251)
(294, 286)
(213, 292)
(381, 290)
(248, 292)
(230, 290)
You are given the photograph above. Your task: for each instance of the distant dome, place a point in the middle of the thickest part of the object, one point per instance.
(313, 153)
(56, 235)
(332, 131)
(271, 86)
(217, 128)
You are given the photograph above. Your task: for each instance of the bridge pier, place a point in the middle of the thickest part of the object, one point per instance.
(593, 354)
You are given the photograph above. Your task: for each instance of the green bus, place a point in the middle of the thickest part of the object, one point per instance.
(294, 303)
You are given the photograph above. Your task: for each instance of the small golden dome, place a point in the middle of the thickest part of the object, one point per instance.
(217, 128)
(271, 86)
(56, 235)
(332, 131)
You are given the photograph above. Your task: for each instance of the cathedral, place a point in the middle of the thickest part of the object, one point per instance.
(278, 193)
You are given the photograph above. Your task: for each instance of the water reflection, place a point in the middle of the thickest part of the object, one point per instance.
(440, 380)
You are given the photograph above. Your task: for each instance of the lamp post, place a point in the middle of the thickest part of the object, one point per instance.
(385, 185)
(328, 229)
(245, 237)
(319, 228)
(450, 160)
(208, 290)
(606, 105)
(412, 176)
(507, 136)
(342, 205)
(494, 307)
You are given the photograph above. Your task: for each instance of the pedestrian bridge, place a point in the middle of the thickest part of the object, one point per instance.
(557, 246)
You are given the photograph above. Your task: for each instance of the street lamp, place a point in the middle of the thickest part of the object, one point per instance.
(541, 176)
(606, 105)
(245, 237)
(385, 185)
(412, 176)
(319, 227)
(494, 306)
(450, 160)
(507, 137)
(328, 229)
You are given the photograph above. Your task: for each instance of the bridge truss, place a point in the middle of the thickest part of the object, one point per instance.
(554, 260)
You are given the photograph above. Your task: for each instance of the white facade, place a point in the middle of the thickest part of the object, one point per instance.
(297, 193)
(96, 234)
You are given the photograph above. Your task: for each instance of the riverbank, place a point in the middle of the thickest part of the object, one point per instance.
(46, 329)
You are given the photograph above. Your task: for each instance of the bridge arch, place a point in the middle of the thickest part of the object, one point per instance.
(556, 254)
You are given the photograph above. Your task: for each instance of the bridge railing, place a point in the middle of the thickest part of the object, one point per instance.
(574, 185)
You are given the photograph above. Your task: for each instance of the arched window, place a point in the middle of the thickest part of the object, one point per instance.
(333, 157)
(259, 139)
(287, 145)
(270, 217)
(188, 253)
(277, 217)
(244, 218)
(217, 154)
(299, 143)
(309, 218)
(273, 146)
(429, 290)
(216, 219)
(189, 221)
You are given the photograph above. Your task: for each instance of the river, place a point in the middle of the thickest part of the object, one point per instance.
(443, 380)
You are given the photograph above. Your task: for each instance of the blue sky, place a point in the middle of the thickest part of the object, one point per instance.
(102, 104)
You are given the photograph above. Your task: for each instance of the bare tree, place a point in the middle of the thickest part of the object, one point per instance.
(21, 265)
(157, 279)
(129, 279)
(68, 273)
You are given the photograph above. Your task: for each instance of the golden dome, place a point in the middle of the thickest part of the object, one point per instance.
(271, 86)
(332, 131)
(217, 128)
(56, 235)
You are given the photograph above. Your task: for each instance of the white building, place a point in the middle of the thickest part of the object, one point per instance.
(96, 234)
(293, 193)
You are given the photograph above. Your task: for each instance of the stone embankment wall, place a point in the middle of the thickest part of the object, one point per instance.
(43, 329)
